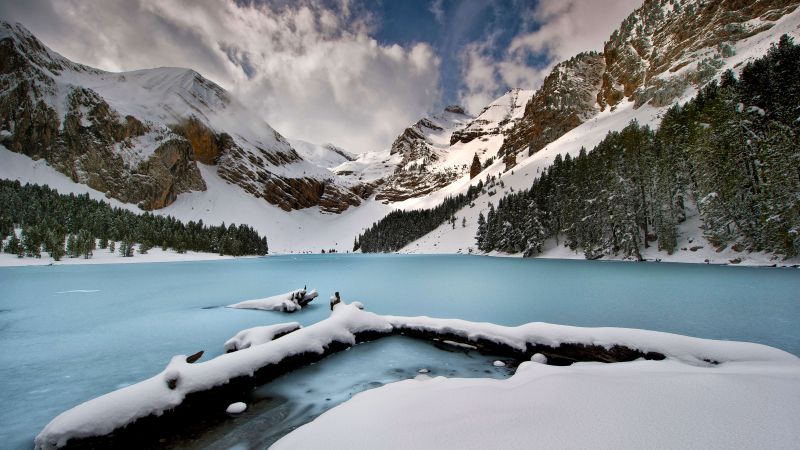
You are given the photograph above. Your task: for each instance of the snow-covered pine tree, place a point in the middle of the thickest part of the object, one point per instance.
(480, 235)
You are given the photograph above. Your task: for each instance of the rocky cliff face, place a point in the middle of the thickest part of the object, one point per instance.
(87, 139)
(566, 99)
(666, 46)
(660, 50)
(138, 135)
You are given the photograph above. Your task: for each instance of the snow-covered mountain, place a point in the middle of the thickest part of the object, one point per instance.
(689, 44)
(497, 117)
(139, 136)
(423, 157)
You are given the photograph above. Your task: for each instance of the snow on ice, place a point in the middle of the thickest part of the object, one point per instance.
(288, 302)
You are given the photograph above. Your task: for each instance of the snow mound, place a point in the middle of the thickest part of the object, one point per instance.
(640, 404)
(539, 358)
(236, 408)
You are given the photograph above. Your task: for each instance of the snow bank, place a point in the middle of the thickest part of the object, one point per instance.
(259, 335)
(748, 374)
(640, 404)
(288, 302)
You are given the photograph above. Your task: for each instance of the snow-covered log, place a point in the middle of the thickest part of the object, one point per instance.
(186, 393)
(183, 392)
(288, 302)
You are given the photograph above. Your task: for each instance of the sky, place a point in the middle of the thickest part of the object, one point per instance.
(354, 73)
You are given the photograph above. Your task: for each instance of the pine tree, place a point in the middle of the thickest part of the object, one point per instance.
(111, 246)
(126, 247)
(480, 236)
(55, 245)
(30, 243)
(85, 243)
(144, 247)
(13, 244)
(72, 246)
(475, 168)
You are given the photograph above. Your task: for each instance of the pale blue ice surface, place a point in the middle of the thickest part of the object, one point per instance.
(70, 333)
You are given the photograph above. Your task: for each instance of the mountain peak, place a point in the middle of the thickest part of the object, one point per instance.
(455, 109)
(21, 47)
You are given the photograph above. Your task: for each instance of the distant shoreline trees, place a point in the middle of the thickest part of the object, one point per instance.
(49, 221)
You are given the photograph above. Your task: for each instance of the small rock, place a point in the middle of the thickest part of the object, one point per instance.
(539, 358)
(499, 363)
(236, 408)
(423, 371)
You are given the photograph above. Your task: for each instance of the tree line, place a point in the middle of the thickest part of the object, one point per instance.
(400, 228)
(732, 153)
(75, 225)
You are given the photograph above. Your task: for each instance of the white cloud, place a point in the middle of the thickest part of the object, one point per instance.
(313, 72)
(561, 29)
(437, 9)
(479, 77)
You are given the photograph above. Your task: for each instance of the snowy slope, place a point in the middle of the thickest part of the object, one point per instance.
(498, 117)
(445, 239)
(306, 230)
(327, 156)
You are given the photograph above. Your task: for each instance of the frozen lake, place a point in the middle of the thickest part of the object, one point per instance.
(70, 333)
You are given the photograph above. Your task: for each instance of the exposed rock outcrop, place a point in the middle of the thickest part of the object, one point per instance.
(566, 99)
(666, 46)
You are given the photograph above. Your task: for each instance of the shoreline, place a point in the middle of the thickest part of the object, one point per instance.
(156, 255)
